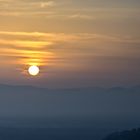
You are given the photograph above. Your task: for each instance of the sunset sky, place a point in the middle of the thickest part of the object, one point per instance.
(75, 43)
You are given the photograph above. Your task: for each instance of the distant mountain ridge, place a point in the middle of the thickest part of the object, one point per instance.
(101, 110)
(100, 89)
(79, 103)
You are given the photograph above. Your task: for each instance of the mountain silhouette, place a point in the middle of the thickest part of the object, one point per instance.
(125, 135)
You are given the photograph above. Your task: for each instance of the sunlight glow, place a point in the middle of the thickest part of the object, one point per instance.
(33, 70)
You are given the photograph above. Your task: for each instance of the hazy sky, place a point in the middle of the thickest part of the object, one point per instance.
(75, 43)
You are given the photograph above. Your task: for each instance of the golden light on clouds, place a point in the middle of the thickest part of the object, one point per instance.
(68, 39)
(60, 51)
(26, 49)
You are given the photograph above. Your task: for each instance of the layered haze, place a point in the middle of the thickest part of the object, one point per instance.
(69, 69)
(75, 114)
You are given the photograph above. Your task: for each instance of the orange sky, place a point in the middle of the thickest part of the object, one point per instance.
(75, 43)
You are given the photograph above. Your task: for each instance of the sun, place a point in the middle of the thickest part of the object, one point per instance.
(33, 70)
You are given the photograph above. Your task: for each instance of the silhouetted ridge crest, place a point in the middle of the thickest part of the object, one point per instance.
(133, 134)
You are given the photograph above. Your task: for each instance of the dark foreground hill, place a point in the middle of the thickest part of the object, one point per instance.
(125, 135)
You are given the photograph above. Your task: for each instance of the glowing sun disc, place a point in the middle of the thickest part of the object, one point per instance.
(33, 70)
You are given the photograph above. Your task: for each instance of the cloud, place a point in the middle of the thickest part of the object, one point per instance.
(64, 37)
(55, 45)
(47, 4)
(74, 53)
(65, 10)
(80, 16)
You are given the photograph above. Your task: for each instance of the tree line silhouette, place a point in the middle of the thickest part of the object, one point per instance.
(133, 134)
